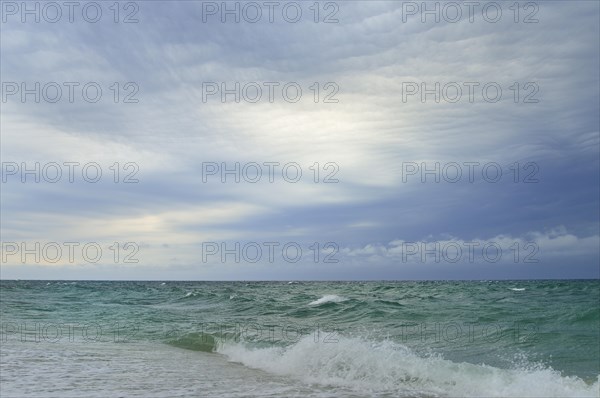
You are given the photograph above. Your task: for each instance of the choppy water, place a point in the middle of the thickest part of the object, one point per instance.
(321, 339)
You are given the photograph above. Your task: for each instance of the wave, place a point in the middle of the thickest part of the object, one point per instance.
(330, 298)
(517, 289)
(196, 342)
(390, 368)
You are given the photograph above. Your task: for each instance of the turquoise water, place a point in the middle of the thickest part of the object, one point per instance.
(322, 339)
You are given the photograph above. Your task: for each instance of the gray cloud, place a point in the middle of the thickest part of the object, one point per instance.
(369, 134)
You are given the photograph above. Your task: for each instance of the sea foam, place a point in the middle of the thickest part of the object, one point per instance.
(391, 368)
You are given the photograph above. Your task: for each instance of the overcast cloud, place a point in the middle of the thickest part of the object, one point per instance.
(367, 131)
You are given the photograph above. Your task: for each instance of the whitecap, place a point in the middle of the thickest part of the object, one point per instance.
(329, 298)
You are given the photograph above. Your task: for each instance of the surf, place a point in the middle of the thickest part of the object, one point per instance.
(387, 367)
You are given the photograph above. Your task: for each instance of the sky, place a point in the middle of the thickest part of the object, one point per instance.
(189, 140)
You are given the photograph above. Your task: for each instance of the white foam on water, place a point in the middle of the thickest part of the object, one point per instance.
(330, 298)
(517, 289)
(390, 368)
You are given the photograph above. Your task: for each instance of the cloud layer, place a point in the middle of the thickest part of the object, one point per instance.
(359, 121)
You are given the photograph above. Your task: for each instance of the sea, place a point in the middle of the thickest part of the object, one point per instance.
(300, 339)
